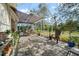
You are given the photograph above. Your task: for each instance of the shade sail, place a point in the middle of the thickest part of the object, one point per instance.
(27, 18)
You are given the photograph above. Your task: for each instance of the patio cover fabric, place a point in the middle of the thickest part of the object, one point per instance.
(27, 18)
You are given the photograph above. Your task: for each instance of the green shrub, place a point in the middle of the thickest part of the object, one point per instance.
(75, 39)
(64, 38)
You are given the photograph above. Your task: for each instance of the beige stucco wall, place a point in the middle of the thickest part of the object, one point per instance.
(7, 15)
(4, 19)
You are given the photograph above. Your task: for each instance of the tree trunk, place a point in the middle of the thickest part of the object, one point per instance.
(57, 35)
(50, 36)
(70, 34)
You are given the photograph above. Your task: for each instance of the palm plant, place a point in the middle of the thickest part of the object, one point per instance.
(15, 36)
(15, 41)
(50, 29)
(38, 31)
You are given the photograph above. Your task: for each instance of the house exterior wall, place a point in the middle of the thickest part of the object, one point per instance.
(8, 17)
(8, 21)
(4, 19)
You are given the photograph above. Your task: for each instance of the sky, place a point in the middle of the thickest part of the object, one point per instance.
(26, 7)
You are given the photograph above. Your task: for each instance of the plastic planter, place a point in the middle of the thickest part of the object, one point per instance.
(71, 44)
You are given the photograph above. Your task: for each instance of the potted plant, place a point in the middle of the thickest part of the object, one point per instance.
(71, 43)
(8, 32)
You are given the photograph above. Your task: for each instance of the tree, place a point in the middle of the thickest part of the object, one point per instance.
(70, 26)
(43, 10)
(69, 10)
(46, 12)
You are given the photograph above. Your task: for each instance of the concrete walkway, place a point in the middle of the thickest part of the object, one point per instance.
(34, 45)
